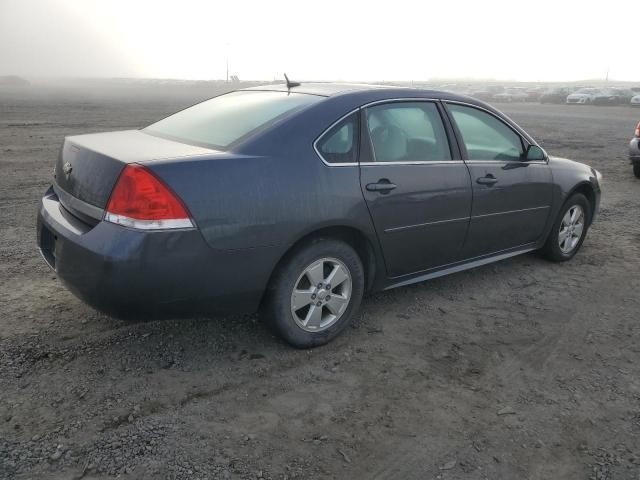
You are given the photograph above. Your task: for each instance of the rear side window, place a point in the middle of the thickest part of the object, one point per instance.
(223, 120)
(484, 136)
(407, 132)
(340, 143)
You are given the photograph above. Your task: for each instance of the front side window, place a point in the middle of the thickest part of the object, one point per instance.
(484, 136)
(407, 132)
(223, 120)
(340, 143)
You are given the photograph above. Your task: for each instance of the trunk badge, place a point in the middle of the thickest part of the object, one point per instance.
(66, 168)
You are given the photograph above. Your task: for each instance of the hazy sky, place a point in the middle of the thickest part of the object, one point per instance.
(321, 40)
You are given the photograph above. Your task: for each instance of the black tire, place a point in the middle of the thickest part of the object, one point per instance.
(278, 309)
(551, 249)
(636, 169)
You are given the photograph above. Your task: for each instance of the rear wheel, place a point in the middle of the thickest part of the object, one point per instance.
(636, 169)
(569, 230)
(315, 293)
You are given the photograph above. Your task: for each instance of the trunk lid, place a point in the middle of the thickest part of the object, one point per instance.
(89, 165)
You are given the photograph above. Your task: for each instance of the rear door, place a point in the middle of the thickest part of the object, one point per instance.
(417, 188)
(511, 196)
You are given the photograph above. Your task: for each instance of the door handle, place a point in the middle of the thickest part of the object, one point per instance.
(487, 180)
(383, 186)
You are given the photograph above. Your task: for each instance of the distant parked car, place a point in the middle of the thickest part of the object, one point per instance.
(634, 152)
(556, 95)
(635, 101)
(583, 96)
(486, 93)
(534, 94)
(595, 96)
(511, 95)
(624, 95)
(609, 96)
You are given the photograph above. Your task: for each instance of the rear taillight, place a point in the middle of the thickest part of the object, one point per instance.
(142, 200)
(638, 130)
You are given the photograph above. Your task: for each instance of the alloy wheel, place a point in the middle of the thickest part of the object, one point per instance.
(571, 229)
(321, 294)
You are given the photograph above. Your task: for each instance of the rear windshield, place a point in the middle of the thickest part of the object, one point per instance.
(223, 120)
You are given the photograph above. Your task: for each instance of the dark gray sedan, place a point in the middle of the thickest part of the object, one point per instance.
(299, 200)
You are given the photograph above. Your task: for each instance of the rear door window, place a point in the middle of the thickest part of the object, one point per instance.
(407, 132)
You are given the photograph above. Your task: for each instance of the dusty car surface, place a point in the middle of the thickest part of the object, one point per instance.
(297, 200)
(634, 151)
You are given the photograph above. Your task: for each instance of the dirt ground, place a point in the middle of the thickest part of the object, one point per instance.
(519, 370)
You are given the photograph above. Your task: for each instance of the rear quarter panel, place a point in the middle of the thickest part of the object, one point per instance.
(271, 192)
(259, 201)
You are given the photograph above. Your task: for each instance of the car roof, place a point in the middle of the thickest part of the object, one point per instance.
(323, 89)
(363, 93)
(340, 89)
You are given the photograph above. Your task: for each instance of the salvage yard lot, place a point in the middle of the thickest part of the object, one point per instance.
(521, 369)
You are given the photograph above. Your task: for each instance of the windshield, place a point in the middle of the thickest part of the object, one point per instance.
(223, 120)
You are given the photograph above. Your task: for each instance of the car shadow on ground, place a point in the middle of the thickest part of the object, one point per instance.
(247, 334)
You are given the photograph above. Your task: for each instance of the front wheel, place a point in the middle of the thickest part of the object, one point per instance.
(315, 293)
(569, 230)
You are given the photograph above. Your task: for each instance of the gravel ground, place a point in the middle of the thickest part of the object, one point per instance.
(521, 369)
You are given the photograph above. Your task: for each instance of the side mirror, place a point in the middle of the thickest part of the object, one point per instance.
(534, 152)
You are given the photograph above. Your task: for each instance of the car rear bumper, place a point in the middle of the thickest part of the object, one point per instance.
(123, 271)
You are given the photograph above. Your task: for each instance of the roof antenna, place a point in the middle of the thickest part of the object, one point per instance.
(290, 84)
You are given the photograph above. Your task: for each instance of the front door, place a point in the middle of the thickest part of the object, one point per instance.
(417, 189)
(511, 196)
